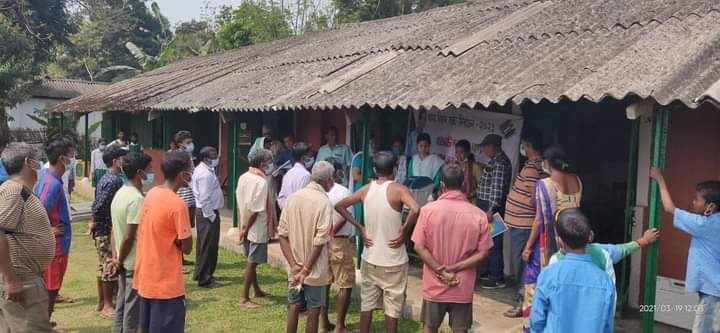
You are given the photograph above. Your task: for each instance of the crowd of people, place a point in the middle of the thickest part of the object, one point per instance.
(311, 202)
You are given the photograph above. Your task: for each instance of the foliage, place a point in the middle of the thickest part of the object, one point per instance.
(252, 23)
(56, 126)
(194, 38)
(106, 26)
(29, 31)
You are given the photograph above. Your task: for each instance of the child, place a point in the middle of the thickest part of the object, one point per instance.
(703, 266)
(573, 295)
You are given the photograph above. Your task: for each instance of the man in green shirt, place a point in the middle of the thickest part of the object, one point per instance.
(125, 211)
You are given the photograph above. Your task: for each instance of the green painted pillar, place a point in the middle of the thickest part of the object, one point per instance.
(630, 197)
(233, 169)
(365, 172)
(651, 257)
(87, 146)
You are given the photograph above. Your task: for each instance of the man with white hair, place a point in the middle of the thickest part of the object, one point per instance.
(256, 215)
(304, 231)
(27, 245)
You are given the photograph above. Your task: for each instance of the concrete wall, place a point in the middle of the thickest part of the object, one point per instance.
(20, 112)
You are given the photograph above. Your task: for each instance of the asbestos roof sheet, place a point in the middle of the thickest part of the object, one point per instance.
(65, 88)
(477, 53)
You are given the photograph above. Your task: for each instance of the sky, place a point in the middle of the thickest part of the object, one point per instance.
(185, 10)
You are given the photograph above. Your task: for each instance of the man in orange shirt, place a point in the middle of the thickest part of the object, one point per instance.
(163, 236)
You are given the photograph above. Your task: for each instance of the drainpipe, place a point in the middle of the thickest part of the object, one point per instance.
(651, 257)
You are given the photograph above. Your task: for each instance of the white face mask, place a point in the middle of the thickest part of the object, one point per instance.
(189, 148)
(148, 179)
(545, 169)
(523, 152)
(214, 163)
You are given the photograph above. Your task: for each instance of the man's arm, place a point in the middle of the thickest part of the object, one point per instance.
(342, 209)
(201, 190)
(667, 200)
(13, 284)
(408, 200)
(185, 245)
(246, 228)
(128, 242)
(469, 262)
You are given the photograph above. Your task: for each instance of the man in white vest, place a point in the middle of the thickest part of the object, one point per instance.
(384, 266)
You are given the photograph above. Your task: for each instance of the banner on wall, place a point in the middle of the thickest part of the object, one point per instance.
(446, 127)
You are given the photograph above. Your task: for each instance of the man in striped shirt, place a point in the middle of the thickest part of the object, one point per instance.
(520, 207)
(184, 142)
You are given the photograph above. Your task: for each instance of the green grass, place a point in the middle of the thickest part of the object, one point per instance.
(215, 310)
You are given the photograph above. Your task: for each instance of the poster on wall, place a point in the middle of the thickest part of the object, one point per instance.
(446, 127)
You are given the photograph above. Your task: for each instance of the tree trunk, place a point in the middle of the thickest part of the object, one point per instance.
(4, 129)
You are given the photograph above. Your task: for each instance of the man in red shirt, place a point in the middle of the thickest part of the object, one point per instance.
(449, 270)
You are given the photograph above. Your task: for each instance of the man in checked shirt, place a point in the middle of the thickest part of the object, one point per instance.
(491, 193)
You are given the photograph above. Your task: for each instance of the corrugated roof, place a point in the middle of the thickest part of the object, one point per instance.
(65, 88)
(483, 52)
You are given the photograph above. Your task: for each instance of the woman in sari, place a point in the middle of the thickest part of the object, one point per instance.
(560, 191)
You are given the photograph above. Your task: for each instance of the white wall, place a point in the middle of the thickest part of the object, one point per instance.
(19, 112)
(20, 119)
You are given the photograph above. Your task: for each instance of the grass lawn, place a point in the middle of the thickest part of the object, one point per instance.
(215, 310)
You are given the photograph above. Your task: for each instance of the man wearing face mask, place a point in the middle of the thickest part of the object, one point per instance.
(520, 207)
(297, 177)
(101, 226)
(50, 190)
(125, 211)
(26, 245)
(209, 199)
(97, 166)
(163, 236)
(256, 215)
(184, 142)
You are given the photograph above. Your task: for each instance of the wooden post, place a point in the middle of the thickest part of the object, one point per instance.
(651, 257)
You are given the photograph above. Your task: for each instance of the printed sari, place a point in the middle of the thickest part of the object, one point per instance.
(549, 201)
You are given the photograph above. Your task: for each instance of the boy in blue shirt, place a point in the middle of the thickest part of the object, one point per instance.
(574, 294)
(703, 266)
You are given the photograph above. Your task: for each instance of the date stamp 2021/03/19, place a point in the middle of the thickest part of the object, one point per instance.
(671, 308)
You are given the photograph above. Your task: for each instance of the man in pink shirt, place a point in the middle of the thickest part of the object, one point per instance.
(449, 270)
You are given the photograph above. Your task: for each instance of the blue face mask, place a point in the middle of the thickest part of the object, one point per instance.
(269, 169)
(189, 148)
(397, 152)
(102, 147)
(148, 179)
(214, 163)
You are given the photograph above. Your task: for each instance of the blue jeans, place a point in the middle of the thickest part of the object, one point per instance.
(519, 238)
(707, 316)
(497, 266)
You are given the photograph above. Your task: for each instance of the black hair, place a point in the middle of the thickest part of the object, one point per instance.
(335, 163)
(384, 162)
(532, 136)
(102, 140)
(424, 137)
(134, 135)
(299, 150)
(134, 162)
(573, 228)
(174, 163)
(710, 191)
(333, 129)
(182, 135)
(111, 153)
(205, 152)
(555, 155)
(453, 176)
(398, 138)
(465, 145)
(289, 135)
(56, 148)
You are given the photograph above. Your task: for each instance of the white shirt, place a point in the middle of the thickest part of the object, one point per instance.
(96, 160)
(427, 167)
(336, 194)
(295, 179)
(207, 191)
(251, 196)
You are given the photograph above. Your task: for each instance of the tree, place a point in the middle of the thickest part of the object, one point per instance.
(252, 23)
(29, 31)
